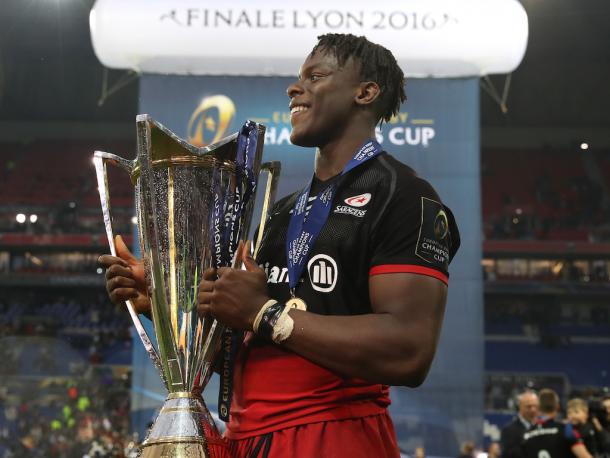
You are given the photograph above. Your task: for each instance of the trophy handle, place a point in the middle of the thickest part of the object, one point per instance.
(100, 159)
(273, 168)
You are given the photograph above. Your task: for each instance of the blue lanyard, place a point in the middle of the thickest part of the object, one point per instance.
(230, 203)
(302, 232)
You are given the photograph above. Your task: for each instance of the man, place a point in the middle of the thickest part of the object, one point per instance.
(512, 434)
(348, 291)
(549, 438)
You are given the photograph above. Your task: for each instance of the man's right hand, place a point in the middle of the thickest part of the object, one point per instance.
(125, 277)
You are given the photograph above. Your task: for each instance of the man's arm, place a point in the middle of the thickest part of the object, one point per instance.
(394, 345)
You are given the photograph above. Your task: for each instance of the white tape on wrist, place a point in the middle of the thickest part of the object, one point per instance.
(283, 327)
(259, 315)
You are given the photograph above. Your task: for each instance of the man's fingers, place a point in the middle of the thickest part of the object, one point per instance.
(210, 274)
(123, 251)
(117, 270)
(204, 297)
(239, 254)
(249, 262)
(107, 260)
(206, 286)
(116, 282)
(123, 294)
(203, 309)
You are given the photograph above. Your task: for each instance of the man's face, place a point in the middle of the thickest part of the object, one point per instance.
(528, 406)
(322, 101)
(577, 416)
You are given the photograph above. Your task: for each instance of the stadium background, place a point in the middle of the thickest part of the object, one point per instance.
(542, 319)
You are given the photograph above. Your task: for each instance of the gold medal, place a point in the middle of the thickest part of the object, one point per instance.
(296, 303)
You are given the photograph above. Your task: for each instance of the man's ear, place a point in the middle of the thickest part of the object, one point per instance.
(368, 91)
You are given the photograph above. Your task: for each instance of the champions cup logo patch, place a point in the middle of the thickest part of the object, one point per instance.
(210, 120)
(434, 237)
(323, 273)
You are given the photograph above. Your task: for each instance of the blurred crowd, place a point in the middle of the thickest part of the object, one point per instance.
(83, 321)
(89, 419)
(577, 211)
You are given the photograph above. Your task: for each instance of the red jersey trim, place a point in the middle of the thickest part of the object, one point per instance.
(409, 269)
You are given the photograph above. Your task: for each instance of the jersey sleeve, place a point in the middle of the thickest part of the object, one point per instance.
(415, 233)
(572, 434)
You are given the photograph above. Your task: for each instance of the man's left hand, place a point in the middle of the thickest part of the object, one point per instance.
(234, 296)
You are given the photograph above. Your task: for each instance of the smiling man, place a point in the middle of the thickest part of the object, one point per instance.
(353, 284)
(348, 291)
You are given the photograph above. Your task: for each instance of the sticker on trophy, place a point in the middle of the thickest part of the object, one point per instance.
(296, 303)
(434, 237)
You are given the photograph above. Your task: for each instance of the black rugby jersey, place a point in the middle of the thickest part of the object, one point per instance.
(383, 219)
(550, 439)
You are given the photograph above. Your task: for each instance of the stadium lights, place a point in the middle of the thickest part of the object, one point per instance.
(22, 218)
(134, 220)
(584, 146)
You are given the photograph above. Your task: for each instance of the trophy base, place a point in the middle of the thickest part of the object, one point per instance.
(176, 450)
(184, 428)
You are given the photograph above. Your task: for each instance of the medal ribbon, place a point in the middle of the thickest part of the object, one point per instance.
(303, 232)
(236, 203)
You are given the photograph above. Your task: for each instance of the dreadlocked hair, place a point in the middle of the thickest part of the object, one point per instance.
(376, 64)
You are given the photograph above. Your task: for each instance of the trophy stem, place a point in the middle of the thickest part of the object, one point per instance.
(184, 428)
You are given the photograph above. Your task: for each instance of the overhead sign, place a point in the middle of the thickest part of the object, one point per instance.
(430, 38)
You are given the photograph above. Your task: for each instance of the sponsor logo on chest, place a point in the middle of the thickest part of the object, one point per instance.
(354, 205)
(322, 271)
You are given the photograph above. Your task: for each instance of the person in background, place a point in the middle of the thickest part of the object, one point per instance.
(578, 417)
(512, 434)
(493, 451)
(467, 450)
(601, 423)
(420, 452)
(549, 438)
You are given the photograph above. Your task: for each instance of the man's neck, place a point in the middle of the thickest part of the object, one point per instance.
(332, 157)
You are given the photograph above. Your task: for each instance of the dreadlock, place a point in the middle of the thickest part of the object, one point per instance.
(376, 64)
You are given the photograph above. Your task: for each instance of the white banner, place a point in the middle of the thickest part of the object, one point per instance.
(430, 38)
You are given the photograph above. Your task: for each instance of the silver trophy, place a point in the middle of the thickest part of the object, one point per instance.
(193, 206)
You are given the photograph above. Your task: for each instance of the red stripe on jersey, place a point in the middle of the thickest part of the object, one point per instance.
(408, 269)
